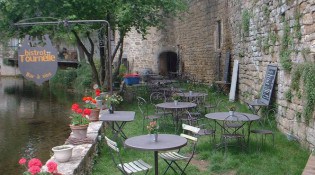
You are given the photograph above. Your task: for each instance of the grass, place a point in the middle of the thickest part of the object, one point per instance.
(286, 157)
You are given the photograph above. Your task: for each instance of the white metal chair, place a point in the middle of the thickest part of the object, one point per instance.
(171, 158)
(126, 168)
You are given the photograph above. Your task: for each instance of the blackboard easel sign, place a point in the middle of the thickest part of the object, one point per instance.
(268, 84)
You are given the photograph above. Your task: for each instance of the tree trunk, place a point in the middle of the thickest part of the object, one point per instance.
(102, 55)
(88, 54)
(121, 50)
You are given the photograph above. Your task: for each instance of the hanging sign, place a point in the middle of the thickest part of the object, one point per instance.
(37, 59)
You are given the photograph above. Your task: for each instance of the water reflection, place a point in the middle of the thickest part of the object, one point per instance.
(33, 119)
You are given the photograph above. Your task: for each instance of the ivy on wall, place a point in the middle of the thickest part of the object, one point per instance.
(285, 50)
(305, 74)
(245, 22)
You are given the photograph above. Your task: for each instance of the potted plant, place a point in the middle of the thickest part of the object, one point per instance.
(190, 88)
(35, 166)
(62, 153)
(94, 104)
(79, 121)
(153, 129)
(111, 100)
(232, 109)
(175, 97)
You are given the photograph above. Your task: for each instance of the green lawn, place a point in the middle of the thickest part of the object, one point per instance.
(285, 158)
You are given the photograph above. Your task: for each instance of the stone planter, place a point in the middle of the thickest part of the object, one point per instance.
(79, 131)
(62, 153)
(94, 116)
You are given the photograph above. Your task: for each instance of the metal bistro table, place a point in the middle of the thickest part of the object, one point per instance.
(118, 120)
(221, 116)
(191, 96)
(179, 106)
(165, 142)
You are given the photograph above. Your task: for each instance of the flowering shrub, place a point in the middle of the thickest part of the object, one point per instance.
(34, 167)
(113, 99)
(153, 128)
(78, 116)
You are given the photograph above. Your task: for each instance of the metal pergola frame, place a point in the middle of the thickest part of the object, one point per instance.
(66, 23)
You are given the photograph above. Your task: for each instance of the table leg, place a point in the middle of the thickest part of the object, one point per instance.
(119, 129)
(250, 123)
(156, 163)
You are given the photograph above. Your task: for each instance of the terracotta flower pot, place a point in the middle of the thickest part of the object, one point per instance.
(94, 116)
(79, 131)
(62, 153)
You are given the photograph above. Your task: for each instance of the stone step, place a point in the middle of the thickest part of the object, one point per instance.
(310, 166)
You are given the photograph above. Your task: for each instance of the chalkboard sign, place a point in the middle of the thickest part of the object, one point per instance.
(268, 84)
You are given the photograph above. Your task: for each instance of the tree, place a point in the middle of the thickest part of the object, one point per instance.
(122, 15)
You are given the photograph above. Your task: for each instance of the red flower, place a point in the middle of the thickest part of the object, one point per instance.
(86, 111)
(52, 167)
(35, 162)
(22, 161)
(74, 107)
(79, 111)
(34, 170)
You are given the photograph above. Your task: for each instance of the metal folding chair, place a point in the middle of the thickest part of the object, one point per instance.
(143, 108)
(233, 128)
(171, 158)
(126, 168)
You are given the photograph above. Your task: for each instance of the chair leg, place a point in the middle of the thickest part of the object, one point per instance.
(169, 166)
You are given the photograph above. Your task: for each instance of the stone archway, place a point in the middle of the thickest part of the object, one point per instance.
(168, 62)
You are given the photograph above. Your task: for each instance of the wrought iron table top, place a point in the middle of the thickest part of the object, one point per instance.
(180, 105)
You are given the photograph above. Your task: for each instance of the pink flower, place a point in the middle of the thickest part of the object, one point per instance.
(52, 167)
(35, 162)
(34, 170)
(22, 161)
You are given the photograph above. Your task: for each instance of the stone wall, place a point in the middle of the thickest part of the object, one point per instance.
(264, 44)
(271, 24)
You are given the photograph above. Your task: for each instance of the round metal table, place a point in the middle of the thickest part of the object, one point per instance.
(165, 142)
(176, 107)
(246, 117)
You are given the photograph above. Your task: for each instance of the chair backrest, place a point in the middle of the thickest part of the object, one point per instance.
(115, 153)
(143, 106)
(188, 118)
(233, 123)
(193, 139)
(157, 97)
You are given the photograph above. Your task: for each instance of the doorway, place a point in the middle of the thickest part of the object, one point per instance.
(168, 63)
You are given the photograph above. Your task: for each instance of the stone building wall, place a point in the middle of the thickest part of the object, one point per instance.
(273, 24)
(196, 33)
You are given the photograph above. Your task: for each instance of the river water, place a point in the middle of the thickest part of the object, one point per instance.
(33, 119)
